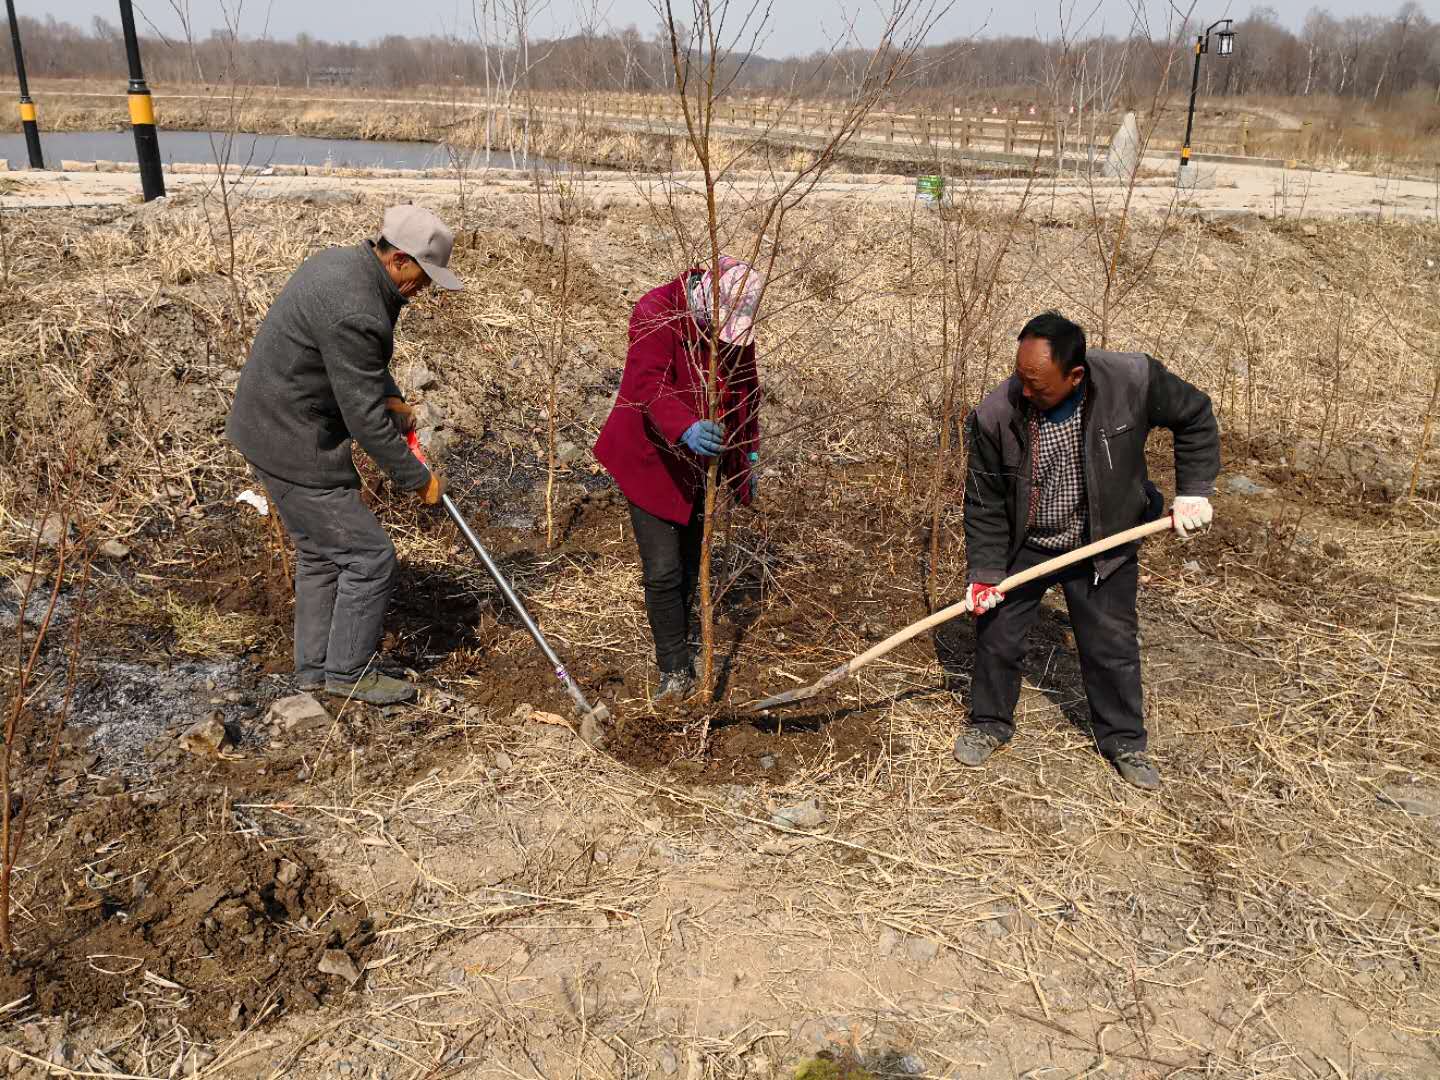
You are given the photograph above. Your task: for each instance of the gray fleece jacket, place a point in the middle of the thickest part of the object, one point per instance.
(319, 373)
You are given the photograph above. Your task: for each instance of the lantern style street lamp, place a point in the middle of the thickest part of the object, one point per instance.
(1225, 47)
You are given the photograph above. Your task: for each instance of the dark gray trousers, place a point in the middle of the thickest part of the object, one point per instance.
(344, 566)
(670, 569)
(1106, 626)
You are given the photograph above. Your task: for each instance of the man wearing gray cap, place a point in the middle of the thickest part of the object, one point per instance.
(318, 376)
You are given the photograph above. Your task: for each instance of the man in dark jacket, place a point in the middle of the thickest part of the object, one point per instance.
(319, 376)
(1057, 460)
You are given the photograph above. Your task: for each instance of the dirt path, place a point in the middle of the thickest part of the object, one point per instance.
(1242, 191)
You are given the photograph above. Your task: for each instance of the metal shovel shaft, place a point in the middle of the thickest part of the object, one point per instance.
(515, 604)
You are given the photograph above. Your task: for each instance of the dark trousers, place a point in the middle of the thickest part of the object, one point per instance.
(670, 568)
(1106, 629)
(344, 565)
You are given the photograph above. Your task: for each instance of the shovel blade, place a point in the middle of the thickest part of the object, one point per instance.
(804, 693)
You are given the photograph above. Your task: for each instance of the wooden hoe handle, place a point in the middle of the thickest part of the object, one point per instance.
(1014, 581)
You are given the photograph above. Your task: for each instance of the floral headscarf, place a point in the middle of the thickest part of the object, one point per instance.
(740, 288)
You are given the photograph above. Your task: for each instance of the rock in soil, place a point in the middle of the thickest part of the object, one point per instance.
(592, 733)
(299, 713)
(922, 950)
(804, 815)
(49, 530)
(1416, 801)
(1243, 485)
(890, 940)
(337, 962)
(206, 738)
(421, 377)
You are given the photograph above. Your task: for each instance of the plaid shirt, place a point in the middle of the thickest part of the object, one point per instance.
(1059, 516)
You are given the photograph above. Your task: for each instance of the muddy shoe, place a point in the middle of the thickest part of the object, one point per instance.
(373, 689)
(1137, 770)
(675, 687)
(973, 747)
(311, 682)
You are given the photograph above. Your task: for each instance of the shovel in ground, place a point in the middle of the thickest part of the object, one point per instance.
(1014, 581)
(592, 718)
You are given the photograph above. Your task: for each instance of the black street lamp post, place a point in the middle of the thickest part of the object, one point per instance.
(1226, 47)
(142, 112)
(28, 120)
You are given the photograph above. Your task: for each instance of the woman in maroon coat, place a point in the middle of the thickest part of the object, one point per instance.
(660, 438)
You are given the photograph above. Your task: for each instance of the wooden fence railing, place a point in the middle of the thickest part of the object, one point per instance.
(903, 131)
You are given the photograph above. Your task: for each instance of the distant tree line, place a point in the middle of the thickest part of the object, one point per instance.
(1372, 58)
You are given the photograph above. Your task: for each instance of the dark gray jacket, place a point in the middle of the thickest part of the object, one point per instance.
(1126, 395)
(319, 374)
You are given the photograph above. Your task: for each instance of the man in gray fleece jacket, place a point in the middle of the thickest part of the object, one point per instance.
(318, 376)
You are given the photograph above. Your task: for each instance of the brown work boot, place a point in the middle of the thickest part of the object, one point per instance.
(373, 688)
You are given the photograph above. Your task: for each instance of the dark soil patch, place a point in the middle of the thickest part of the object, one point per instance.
(149, 905)
(746, 749)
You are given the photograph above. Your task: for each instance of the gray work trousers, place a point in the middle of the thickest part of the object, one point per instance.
(344, 567)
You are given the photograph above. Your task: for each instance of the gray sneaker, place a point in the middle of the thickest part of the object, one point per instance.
(974, 746)
(675, 687)
(373, 689)
(1137, 770)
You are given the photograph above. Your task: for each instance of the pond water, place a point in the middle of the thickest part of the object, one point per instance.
(252, 151)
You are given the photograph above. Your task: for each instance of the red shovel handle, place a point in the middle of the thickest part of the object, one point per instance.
(412, 439)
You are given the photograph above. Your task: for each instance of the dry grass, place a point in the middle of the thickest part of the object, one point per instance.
(1265, 916)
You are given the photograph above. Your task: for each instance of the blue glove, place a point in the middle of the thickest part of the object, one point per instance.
(705, 438)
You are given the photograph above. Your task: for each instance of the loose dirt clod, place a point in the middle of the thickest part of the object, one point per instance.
(241, 930)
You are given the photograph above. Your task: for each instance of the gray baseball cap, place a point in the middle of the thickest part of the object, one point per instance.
(425, 238)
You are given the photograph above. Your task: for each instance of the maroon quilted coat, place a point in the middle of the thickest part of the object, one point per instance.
(662, 393)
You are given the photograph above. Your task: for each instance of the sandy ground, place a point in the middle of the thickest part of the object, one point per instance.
(1239, 190)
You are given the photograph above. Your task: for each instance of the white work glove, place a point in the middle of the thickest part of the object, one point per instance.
(1192, 513)
(981, 598)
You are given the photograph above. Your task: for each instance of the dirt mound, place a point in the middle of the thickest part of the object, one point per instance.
(214, 927)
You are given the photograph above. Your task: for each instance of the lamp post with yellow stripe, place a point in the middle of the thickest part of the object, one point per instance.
(28, 120)
(142, 112)
(1202, 45)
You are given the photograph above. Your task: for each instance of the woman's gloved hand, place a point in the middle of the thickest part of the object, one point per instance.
(704, 438)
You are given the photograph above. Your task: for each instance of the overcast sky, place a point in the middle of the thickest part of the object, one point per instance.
(797, 26)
